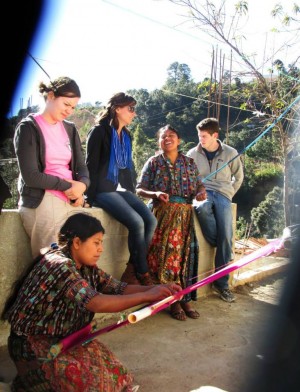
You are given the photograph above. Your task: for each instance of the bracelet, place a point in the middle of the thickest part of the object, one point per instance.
(86, 204)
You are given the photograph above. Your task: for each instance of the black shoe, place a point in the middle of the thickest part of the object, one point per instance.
(224, 294)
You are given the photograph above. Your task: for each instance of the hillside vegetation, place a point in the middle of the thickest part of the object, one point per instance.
(182, 103)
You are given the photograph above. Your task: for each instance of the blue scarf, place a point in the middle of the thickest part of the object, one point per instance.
(120, 155)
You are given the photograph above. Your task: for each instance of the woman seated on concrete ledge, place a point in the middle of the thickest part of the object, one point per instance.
(59, 296)
(172, 181)
(53, 175)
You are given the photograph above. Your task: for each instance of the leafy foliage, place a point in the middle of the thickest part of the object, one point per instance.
(9, 172)
(268, 217)
(142, 148)
(241, 228)
(183, 103)
(257, 171)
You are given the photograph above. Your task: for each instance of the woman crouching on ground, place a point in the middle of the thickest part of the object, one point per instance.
(58, 297)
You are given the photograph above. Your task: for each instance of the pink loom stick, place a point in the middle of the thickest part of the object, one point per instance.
(158, 306)
(69, 341)
(84, 335)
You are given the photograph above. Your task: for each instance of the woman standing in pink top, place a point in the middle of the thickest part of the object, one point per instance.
(53, 175)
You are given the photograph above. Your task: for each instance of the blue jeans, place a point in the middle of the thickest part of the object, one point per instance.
(215, 219)
(133, 213)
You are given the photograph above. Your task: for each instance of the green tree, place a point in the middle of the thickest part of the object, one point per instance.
(142, 148)
(178, 73)
(270, 95)
(268, 218)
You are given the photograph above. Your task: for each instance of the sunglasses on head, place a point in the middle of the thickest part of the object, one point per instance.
(131, 108)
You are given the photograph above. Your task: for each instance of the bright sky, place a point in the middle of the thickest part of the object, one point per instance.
(115, 45)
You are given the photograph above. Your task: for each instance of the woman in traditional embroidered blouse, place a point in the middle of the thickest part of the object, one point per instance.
(112, 187)
(172, 180)
(58, 297)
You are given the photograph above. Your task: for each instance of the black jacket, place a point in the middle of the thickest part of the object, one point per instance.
(97, 160)
(30, 149)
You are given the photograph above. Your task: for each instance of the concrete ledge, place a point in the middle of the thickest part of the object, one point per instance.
(259, 269)
(15, 254)
(15, 257)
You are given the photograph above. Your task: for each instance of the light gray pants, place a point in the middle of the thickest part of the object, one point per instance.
(43, 223)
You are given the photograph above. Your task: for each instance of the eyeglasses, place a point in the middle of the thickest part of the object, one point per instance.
(131, 108)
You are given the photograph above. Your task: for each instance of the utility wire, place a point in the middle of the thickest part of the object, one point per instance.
(240, 153)
(205, 100)
(39, 65)
(254, 141)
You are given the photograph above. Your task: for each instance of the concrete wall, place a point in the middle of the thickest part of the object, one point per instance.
(15, 254)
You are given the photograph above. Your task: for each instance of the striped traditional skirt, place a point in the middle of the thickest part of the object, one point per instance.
(173, 252)
(89, 368)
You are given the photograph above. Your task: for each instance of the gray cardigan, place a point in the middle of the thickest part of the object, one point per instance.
(228, 180)
(30, 149)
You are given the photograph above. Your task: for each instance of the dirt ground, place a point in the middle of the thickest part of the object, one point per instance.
(220, 349)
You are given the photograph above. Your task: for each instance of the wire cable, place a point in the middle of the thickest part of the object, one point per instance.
(39, 65)
(254, 141)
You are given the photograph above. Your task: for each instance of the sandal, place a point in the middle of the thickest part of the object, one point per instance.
(145, 279)
(129, 275)
(177, 312)
(193, 314)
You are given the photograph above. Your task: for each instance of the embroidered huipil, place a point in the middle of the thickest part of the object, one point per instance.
(55, 297)
(173, 251)
(179, 179)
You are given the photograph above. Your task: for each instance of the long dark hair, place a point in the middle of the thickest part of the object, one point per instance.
(82, 225)
(109, 113)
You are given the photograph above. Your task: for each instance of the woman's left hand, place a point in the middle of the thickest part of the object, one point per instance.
(159, 292)
(79, 202)
(77, 189)
(201, 195)
(174, 288)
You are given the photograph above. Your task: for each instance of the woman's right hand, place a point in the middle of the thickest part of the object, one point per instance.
(201, 195)
(162, 196)
(78, 202)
